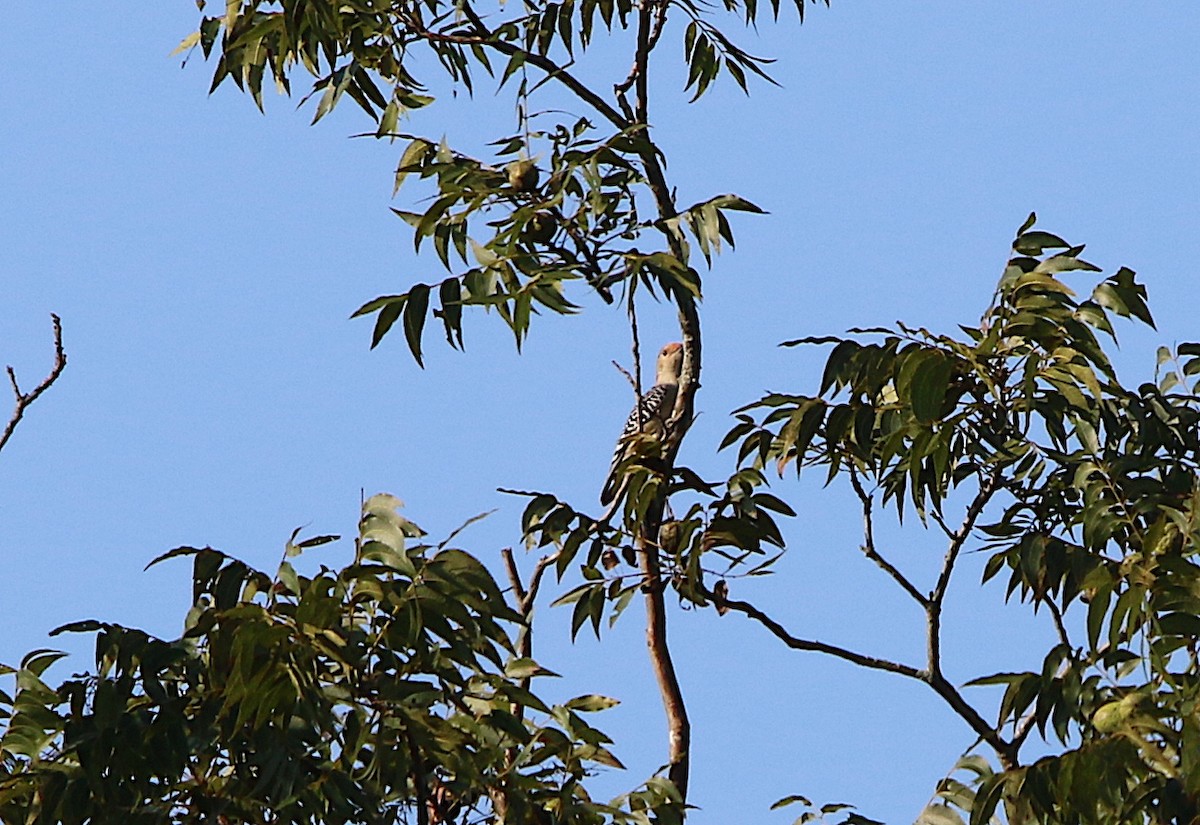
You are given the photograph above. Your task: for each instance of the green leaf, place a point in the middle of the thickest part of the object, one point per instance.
(450, 296)
(791, 799)
(414, 155)
(929, 385)
(386, 318)
(592, 703)
(1035, 241)
(414, 319)
(525, 669)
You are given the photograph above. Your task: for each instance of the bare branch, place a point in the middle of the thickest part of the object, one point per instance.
(1059, 625)
(941, 522)
(636, 352)
(23, 400)
(971, 716)
(868, 546)
(936, 681)
(526, 597)
(959, 537)
(781, 633)
(641, 105)
(933, 607)
(535, 579)
(651, 22)
(632, 382)
(514, 575)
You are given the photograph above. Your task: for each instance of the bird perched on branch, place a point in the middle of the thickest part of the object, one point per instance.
(648, 417)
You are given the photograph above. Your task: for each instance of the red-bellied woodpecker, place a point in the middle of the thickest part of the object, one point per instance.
(650, 416)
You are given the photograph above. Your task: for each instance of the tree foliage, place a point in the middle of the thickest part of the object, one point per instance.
(399, 687)
(1083, 492)
(390, 690)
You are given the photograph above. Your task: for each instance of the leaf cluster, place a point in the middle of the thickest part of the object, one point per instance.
(1084, 493)
(387, 691)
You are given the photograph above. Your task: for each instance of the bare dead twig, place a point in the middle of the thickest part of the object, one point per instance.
(23, 400)
(636, 347)
(487, 38)
(514, 575)
(1059, 625)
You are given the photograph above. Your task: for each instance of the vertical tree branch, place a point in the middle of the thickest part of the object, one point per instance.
(23, 400)
(678, 725)
(679, 731)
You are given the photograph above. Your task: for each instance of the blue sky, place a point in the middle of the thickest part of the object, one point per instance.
(205, 259)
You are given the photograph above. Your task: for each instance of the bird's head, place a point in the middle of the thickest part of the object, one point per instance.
(670, 363)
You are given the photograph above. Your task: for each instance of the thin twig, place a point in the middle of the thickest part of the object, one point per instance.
(660, 19)
(636, 347)
(986, 490)
(526, 597)
(642, 60)
(23, 400)
(1059, 625)
(933, 607)
(941, 522)
(632, 381)
(1023, 728)
(514, 576)
(869, 550)
(487, 38)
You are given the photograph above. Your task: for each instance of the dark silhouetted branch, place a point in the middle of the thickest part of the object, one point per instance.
(23, 400)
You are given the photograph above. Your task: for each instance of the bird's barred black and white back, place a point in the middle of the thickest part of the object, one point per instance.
(649, 417)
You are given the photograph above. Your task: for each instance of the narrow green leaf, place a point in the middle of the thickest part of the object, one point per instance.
(414, 319)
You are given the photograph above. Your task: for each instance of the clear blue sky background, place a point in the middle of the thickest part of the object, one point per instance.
(205, 258)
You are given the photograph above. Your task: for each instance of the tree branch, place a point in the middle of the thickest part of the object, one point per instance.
(933, 607)
(1059, 625)
(23, 400)
(525, 601)
(936, 681)
(656, 622)
(526, 596)
(487, 38)
(781, 633)
(868, 546)
(641, 105)
(679, 730)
